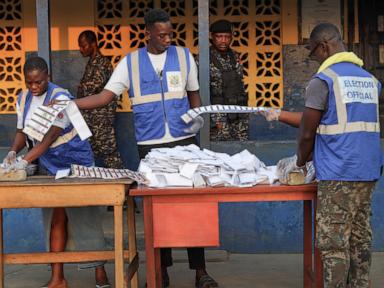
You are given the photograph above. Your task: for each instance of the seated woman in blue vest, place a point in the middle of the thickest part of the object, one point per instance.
(60, 148)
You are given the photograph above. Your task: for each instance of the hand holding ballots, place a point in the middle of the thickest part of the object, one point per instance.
(19, 165)
(197, 124)
(195, 112)
(9, 159)
(289, 173)
(271, 114)
(44, 116)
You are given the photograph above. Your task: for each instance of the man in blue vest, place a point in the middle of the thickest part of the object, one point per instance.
(162, 84)
(340, 127)
(60, 147)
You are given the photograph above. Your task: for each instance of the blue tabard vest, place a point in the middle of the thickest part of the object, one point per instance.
(68, 148)
(347, 145)
(158, 99)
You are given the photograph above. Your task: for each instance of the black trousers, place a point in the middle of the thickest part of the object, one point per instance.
(196, 256)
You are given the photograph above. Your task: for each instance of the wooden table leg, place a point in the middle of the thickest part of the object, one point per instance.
(308, 271)
(119, 256)
(152, 255)
(132, 238)
(1, 251)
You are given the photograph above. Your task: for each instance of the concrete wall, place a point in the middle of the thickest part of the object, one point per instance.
(68, 19)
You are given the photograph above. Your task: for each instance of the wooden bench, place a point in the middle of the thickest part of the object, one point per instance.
(45, 191)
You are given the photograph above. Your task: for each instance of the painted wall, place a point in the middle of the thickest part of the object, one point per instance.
(68, 19)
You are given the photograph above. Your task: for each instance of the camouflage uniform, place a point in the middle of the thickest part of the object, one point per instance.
(100, 120)
(223, 128)
(344, 232)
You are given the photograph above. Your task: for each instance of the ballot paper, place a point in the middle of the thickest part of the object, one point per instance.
(79, 171)
(44, 116)
(62, 173)
(268, 175)
(193, 113)
(188, 170)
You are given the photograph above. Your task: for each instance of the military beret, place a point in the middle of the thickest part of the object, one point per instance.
(221, 26)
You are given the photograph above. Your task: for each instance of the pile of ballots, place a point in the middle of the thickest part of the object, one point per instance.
(189, 166)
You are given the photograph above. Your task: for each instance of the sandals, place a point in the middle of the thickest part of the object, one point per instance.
(63, 285)
(206, 281)
(103, 285)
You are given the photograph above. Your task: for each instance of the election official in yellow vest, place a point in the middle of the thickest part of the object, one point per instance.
(340, 127)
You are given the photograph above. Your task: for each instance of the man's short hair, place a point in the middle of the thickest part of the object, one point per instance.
(35, 63)
(221, 26)
(154, 16)
(325, 31)
(89, 36)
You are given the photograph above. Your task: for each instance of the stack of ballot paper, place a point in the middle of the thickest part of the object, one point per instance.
(190, 166)
(79, 171)
(44, 116)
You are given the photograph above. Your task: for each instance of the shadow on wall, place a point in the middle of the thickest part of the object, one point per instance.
(7, 129)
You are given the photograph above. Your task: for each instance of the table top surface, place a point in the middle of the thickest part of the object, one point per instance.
(275, 188)
(50, 181)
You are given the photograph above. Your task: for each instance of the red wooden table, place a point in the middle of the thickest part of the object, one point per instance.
(189, 217)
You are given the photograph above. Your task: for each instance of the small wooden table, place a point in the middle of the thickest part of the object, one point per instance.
(44, 191)
(188, 217)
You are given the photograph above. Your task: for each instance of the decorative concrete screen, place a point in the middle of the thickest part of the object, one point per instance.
(257, 36)
(120, 29)
(11, 54)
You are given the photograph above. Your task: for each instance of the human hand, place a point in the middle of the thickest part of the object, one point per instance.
(19, 165)
(287, 166)
(9, 159)
(57, 102)
(270, 114)
(197, 124)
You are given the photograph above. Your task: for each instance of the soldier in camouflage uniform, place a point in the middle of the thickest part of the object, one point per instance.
(340, 126)
(226, 85)
(100, 120)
